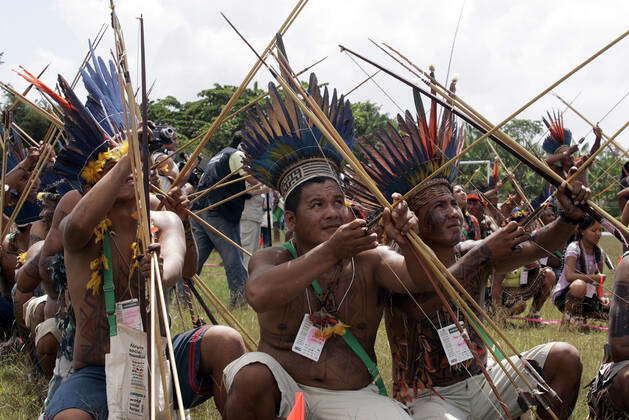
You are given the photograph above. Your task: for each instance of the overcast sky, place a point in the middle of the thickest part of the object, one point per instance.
(506, 52)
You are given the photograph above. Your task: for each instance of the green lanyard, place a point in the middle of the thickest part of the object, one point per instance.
(108, 285)
(349, 338)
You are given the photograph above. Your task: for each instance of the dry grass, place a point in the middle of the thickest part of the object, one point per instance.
(21, 396)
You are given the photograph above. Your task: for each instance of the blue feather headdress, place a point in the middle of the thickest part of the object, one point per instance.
(283, 148)
(558, 135)
(94, 129)
(399, 159)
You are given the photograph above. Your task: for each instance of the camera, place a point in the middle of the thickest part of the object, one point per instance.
(162, 135)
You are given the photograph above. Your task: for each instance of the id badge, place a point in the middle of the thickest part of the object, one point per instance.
(454, 344)
(524, 277)
(307, 343)
(128, 313)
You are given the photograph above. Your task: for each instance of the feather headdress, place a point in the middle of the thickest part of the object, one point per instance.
(558, 135)
(399, 159)
(284, 149)
(95, 130)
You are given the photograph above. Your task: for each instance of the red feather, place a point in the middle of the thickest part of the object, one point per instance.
(45, 89)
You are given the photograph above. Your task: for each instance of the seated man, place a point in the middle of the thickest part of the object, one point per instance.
(608, 397)
(107, 213)
(83, 395)
(434, 381)
(510, 291)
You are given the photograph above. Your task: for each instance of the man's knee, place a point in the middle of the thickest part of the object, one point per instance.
(564, 359)
(619, 389)
(254, 381)
(47, 345)
(227, 339)
(73, 414)
(220, 346)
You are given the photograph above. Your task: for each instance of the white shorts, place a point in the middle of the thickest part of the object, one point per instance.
(321, 404)
(473, 398)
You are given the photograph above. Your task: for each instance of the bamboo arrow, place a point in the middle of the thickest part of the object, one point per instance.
(502, 139)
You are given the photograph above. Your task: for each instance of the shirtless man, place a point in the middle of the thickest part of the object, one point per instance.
(420, 363)
(435, 384)
(608, 397)
(82, 395)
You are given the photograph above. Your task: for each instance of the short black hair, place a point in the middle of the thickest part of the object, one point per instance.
(292, 201)
(236, 140)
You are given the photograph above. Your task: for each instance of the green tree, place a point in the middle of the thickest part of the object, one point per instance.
(368, 118)
(193, 118)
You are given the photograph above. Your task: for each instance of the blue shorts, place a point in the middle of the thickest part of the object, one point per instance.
(195, 389)
(85, 389)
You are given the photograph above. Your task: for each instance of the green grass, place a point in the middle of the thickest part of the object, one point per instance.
(22, 394)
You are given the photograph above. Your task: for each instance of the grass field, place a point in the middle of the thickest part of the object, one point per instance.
(22, 393)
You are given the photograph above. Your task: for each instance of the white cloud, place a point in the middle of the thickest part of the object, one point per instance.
(506, 52)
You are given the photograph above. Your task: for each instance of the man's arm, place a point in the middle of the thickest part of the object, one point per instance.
(619, 313)
(275, 279)
(177, 202)
(552, 236)
(625, 214)
(22, 170)
(172, 246)
(552, 159)
(79, 226)
(26, 280)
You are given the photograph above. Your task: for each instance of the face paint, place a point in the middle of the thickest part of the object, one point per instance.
(439, 215)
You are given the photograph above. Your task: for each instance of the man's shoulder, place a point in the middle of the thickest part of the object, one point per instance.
(275, 254)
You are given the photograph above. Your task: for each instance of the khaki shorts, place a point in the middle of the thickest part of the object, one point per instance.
(30, 307)
(321, 404)
(473, 397)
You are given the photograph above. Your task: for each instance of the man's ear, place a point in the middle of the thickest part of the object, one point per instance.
(290, 218)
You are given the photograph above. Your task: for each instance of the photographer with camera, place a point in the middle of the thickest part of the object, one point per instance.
(225, 218)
